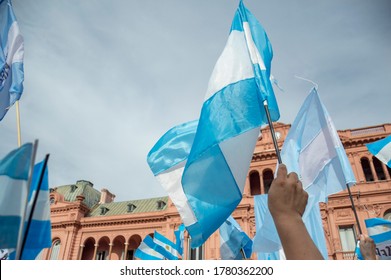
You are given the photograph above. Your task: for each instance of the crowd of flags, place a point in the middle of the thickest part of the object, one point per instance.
(202, 164)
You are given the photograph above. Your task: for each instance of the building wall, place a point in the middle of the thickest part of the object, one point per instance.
(116, 237)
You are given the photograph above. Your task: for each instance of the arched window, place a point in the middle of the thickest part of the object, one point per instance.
(367, 169)
(55, 250)
(255, 183)
(379, 169)
(268, 177)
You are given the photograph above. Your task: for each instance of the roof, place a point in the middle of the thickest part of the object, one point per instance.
(125, 207)
(82, 187)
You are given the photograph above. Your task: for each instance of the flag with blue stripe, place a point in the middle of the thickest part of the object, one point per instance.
(382, 150)
(235, 244)
(39, 234)
(11, 58)
(380, 231)
(148, 250)
(179, 238)
(168, 248)
(229, 124)
(14, 172)
(314, 151)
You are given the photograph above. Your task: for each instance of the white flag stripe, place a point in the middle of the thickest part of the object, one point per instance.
(385, 153)
(375, 230)
(15, 48)
(12, 188)
(255, 56)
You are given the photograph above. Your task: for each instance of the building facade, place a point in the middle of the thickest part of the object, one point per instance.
(88, 224)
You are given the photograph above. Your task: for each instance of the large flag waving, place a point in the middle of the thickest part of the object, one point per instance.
(39, 232)
(235, 244)
(382, 150)
(14, 172)
(229, 124)
(169, 250)
(148, 250)
(380, 231)
(11, 58)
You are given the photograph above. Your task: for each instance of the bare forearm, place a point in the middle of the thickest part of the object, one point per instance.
(293, 233)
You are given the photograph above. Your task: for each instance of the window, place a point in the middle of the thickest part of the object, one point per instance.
(267, 177)
(379, 169)
(101, 255)
(131, 207)
(255, 183)
(160, 204)
(103, 210)
(387, 215)
(55, 250)
(348, 239)
(366, 169)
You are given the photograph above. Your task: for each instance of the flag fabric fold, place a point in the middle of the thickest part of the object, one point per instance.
(382, 150)
(380, 231)
(168, 248)
(179, 238)
(11, 58)
(231, 116)
(235, 244)
(14, 172)
(39, 233)
(148, 250)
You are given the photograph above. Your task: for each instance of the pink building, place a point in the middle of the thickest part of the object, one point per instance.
(88, 224)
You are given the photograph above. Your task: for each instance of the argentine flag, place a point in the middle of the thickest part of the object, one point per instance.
(148, 250)
(380, 231)
(11, 58)
(382, 150)
(232, 114)
(39, 234)
(14, 172)
(168, 248)
(179, 238)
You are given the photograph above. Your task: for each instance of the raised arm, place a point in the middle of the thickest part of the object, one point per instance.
(287, 201)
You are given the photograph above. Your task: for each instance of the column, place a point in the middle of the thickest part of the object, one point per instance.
(110, 250)
(126, 251)
(373, 169)
(81, 252)
(95, 251)
(385, 170)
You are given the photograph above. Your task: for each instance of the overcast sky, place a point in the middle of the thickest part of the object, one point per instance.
(104, 79)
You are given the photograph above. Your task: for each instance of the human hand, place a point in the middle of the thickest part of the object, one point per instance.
(286, 197)
(367, 247)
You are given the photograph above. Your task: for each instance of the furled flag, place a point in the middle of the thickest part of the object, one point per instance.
(179, 238)
(228, 128)
(14, 173)
(168, 248)
(380, 231)
(148, 250)
(314, 151)
(11, 58)
(382, 150)
(234, 242)
(39, 232)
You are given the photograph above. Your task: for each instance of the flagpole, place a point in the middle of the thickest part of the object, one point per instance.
(30, 218)
(354, 209)
(18, 123)
(272, 131)
(21, 230)
(243, 254)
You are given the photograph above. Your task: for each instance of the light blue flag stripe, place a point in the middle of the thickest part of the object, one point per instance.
(380, 231)
(167, 247)
(39, 234)
(147, 250)
(14, 170)
(11, 58)
(179, 238)
(382, 150)
(215, 172)
(233, 240)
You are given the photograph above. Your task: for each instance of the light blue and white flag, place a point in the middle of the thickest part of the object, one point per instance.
(232, 114)
(11, 58)
(14, 172)
(380, 231)
(148, 250)
(39, 234)
(382, 150)
(314, 151)
(234, 242)
(179, 238)
(168, 248)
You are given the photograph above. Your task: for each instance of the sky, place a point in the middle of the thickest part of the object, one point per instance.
(104, 80)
